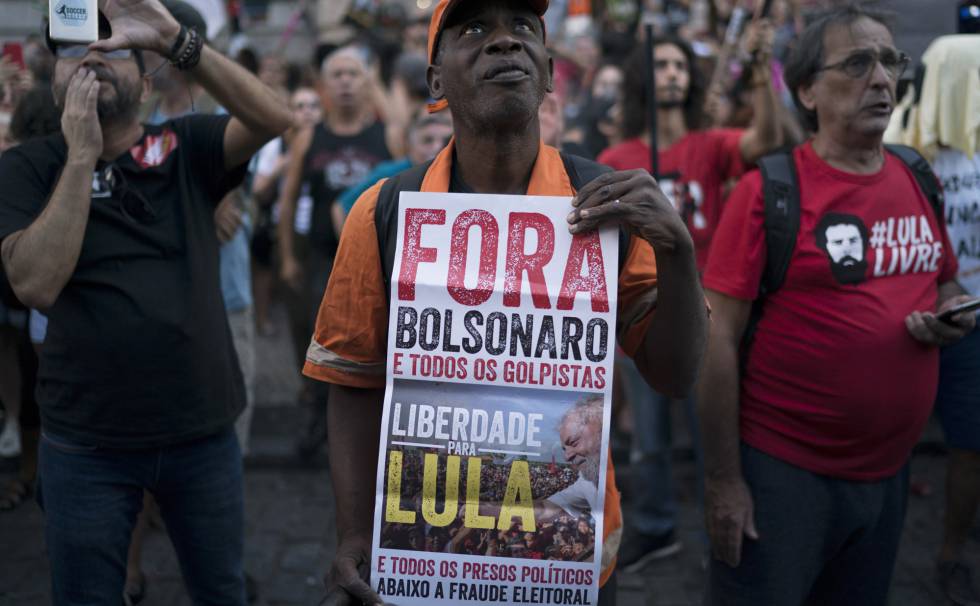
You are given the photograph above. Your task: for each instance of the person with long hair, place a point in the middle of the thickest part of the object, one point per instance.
(696, 165)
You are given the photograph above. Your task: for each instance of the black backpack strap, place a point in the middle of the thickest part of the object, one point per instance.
(781, 194)
(386, 216)
(781, 200)
(581, 172)
(927, 180)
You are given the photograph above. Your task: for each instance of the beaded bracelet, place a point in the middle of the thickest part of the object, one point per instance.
(189, 57)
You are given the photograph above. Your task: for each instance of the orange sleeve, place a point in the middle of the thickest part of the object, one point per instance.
(637, 295)
(612, 526)
(350, 339)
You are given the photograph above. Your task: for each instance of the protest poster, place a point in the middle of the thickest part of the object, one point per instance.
(492, 462)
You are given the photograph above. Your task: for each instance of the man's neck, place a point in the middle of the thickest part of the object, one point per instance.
(119, 136)
(671, 128)
(348, 121)
(178, 102)
(860, 156)
(496, 163)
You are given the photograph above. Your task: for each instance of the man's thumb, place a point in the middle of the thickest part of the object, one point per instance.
(108, 44)
(750, 530)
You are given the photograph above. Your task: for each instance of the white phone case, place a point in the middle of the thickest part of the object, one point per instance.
(73, 20)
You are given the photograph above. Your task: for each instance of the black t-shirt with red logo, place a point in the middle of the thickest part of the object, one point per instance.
(138, 352)
(332, 164)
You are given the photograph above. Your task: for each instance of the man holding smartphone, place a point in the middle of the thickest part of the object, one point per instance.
(807, 435)
(109, 227)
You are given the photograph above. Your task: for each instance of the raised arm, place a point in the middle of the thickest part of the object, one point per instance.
(765, 133)
(290, 270)
(40, 259)
(265, 185)
(257, 113)
(728, 503)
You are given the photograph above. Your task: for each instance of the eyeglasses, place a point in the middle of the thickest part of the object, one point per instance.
(306, 105)
(133, 204)
(77, 51)
(859, 63)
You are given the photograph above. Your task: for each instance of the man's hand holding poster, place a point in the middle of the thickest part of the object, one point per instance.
(492, 465)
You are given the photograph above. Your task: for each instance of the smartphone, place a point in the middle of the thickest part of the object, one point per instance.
(15, 51)
(971, 305)
(75, 21)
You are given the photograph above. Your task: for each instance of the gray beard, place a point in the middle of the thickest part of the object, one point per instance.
(125, 104)
(590, 469)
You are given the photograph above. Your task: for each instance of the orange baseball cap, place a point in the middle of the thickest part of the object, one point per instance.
(438, 22)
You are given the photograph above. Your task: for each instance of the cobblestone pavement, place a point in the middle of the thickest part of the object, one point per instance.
(290, 537)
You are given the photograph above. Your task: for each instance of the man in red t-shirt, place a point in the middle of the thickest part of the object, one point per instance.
(695, 164)
(696, 167)
(806, 446)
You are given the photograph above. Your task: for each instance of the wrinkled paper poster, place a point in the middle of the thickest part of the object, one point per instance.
(492, 464)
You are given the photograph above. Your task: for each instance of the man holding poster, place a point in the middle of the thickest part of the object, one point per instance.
(507, 363)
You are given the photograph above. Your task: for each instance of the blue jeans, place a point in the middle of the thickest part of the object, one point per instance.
(91, 497)
(655, 505)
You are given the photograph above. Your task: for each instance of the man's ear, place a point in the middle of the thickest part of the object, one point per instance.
(433, 76)
(550, 87)
(147, 88)
(54, 94)
(807, 97)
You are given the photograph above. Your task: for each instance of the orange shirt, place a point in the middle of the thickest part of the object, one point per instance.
(351, 337)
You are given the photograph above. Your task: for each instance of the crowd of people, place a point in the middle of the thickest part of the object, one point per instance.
(560, 536)
(781, 163)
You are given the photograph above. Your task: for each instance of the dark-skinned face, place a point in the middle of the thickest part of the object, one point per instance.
(493, 68)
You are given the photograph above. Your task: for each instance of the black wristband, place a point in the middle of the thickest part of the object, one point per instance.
(179, 42)
(191, 54)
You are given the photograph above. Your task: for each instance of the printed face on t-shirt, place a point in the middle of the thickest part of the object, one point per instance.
(844, 244)
(687, 196)
(843, 239)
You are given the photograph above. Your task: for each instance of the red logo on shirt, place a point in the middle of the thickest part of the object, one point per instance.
(154, 149)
